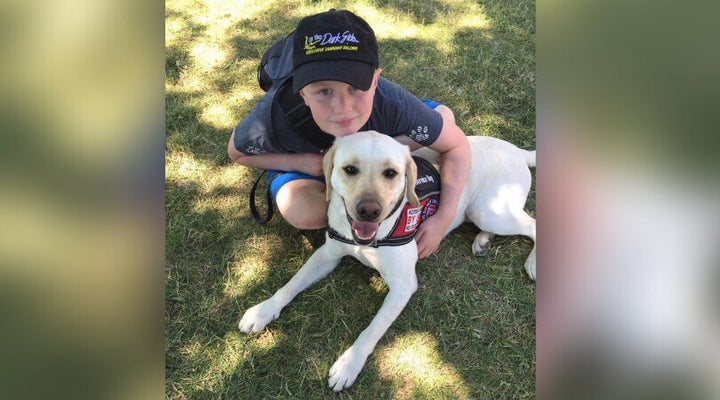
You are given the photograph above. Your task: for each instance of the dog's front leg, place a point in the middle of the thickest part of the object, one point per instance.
(346, 369)
(321, 263)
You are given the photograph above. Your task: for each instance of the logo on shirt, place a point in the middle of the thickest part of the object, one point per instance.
(419, 134)
(254, 150)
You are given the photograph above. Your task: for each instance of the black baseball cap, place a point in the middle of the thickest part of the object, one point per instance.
(335, 45)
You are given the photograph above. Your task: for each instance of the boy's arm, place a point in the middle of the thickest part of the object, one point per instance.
(303, 162)
(454, 149)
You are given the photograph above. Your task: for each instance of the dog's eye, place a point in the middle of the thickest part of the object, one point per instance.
(389, 173)
(350, 170)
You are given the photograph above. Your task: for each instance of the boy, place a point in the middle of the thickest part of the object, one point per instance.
(336, 73)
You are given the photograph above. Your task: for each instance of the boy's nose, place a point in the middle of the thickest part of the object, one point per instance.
(342, 103)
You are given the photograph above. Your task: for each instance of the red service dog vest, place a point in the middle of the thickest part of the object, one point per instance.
(427, 188)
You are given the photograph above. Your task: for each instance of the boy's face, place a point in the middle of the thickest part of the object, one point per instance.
(338, 108)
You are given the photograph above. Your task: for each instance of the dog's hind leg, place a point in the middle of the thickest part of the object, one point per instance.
(527, 228)
(530, 263)
(516, 222)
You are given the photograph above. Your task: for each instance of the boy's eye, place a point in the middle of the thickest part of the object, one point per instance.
(325, 92)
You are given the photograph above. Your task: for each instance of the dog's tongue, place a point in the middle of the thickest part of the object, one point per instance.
(364, 230)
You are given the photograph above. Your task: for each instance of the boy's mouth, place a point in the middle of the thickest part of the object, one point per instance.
(344, 123)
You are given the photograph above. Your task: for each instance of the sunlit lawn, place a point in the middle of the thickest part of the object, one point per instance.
(469, 331)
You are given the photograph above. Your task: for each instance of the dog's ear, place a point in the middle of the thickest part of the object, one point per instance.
(411, 178)
(327, 170)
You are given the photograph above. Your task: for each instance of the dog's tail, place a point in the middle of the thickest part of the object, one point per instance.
(529, 157)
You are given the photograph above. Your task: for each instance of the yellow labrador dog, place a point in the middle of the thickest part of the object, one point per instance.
(369, 177)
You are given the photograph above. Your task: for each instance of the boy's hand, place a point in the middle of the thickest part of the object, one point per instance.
(430, 233)
(309, 163)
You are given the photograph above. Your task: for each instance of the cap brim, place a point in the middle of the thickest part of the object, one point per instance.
(355, 73)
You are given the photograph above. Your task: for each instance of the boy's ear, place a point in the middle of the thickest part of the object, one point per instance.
(327, 170)
(376, 78)
(302, 94)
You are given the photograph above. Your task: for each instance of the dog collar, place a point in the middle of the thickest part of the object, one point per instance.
(388, 241)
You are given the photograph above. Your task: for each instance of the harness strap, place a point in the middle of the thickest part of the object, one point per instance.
(388, 241)
(333, 234)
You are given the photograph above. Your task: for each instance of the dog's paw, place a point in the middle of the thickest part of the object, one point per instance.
(481, 244)
(480, 250)
(346, 369)
(257, 317)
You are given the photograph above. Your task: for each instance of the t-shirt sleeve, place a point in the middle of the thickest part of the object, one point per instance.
(398, 112)
(252, 134)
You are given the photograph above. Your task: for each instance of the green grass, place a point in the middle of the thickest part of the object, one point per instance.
(468, 332)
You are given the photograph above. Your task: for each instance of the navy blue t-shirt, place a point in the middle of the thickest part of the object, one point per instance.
(395, 112)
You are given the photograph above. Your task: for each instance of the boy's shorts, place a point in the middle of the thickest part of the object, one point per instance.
(277, 178)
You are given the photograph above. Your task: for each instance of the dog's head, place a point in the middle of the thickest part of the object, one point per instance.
(371, 173)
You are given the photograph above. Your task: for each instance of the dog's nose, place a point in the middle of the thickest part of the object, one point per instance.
(369, 210)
